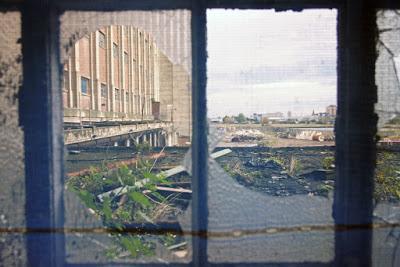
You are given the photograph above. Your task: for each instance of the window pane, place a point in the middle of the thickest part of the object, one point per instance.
(271, 96)
(103, 90)
(84, 85)
(12, 175)
(102, 40)
(387, 174)
(117, 96)
(127, 134)
(115, 50)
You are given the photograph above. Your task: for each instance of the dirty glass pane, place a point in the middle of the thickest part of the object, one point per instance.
(271, 96)
(127, 134)
(12, 190)
(386, 238)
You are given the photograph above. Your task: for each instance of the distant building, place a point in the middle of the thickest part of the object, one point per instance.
(257, 117)
(331, 110)
(117, 73)
(272, 117)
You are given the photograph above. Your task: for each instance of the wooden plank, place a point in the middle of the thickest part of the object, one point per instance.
(170, 189)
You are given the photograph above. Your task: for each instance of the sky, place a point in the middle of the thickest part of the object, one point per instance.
(262, 61)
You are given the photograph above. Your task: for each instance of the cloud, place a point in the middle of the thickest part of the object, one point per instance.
(297, 96)
(249, 38)
(263, 61)
(323, 70)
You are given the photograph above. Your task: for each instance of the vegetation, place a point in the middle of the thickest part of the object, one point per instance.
(326, 188)
(278, 160)
(241, 118)
(144, 147)
(294, 166)
(227, 119)
(387, 177)
(141, 204)
(328, 163)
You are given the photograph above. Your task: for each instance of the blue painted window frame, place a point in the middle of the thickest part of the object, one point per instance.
(44, 152)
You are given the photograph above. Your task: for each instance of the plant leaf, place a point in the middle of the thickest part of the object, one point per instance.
(139, 198)
(107, 211)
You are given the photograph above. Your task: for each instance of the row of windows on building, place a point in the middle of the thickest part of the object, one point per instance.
(104, 92)
(132, 83)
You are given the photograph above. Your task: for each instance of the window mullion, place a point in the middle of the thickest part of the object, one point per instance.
(355, 134)
(41, 118)
(199, 144)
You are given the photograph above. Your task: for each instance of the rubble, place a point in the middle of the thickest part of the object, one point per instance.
(246, 135)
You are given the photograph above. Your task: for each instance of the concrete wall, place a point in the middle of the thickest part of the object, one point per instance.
(182, 102)
(175, 96)
(12, 189)
(166, 92)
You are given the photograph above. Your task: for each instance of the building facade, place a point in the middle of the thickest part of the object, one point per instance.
(112, 74)
(117, 73)
(331, 110)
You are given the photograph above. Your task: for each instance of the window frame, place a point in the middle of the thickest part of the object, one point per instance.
(65, 84)
(102, 40)
(103, 90)
(126, 58)
(115, 50)
(355, 125)
(87, 80)
(117, 96)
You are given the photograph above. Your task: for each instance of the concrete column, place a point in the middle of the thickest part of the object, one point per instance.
(130, 70)
(159, 140)
(151, 142)
(70, 103)
(144, 83)
(164, 33)
(116, 143)
(171, 36)
(144, 138)
(110, 64)
(169, 139)
(139, 68)
(96, 98)
(149, 91)
(155, 139)
(156, 75)
(147, 76)
(186, 37)
(176, 34)
(179, 35)
(128, 142)
(121, 56)
(76, 77)
(163, 139)
(91, 74)
(137, 140)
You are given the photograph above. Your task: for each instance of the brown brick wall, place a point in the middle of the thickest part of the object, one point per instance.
(139, 84)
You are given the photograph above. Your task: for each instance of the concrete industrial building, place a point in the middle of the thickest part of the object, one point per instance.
(117, 73)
